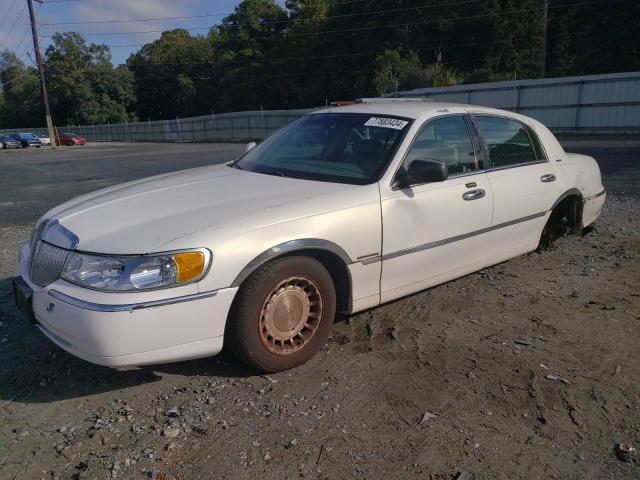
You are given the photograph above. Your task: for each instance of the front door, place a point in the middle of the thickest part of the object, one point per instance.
(437, 231)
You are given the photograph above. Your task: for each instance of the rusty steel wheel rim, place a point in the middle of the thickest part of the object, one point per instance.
(290, 315)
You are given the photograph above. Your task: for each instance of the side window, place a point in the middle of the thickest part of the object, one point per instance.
(446, 140)
(508, 141)
(537, 144)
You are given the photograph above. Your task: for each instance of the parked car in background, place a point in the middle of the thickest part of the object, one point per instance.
(70, 139)
(8, 142)
(27, 139)
(45, 139)
(261, 253)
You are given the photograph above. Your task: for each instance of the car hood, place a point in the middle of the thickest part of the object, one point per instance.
(153, 214)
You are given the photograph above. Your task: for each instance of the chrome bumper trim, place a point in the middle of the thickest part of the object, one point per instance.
(594, 196)
(129, 307)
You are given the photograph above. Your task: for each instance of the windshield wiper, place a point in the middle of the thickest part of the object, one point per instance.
(234, 164)
(278, 173)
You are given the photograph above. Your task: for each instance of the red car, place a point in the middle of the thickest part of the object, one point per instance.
(70, 139)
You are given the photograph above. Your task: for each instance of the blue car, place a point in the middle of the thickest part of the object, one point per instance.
(8, 142)
(27, 140)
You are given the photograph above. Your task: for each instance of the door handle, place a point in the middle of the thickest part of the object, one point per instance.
(550, 177)
(473, 194)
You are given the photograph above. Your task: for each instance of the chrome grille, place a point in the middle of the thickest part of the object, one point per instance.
(47, 263)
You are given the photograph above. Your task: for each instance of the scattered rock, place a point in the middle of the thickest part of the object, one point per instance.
(267, 457)
(557, 378)
(272, 380)
(624, 452)
(171, 432)
(173, 412)
(21, 432)
(199, 428)
(427, 416)
(292, 443)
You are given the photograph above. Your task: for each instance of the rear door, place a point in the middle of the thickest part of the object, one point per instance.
(523, 182)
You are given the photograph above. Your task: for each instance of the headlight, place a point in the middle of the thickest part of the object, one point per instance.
(117, 274)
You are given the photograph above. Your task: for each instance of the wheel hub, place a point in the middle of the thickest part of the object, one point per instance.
(290, 315)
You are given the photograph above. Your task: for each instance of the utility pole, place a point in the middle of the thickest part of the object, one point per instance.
(545, 22)
(43, 85)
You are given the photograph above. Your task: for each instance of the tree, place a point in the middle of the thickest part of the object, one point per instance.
(84, 88)
(396, 72)
(246, 50)
(21, 104)
(173, 75)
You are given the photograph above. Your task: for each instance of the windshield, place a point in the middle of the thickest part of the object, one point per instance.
(332, 147)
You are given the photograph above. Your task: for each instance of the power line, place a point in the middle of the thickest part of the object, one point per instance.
(8, 13)
(14, 25)
(377, 27)
(320, 57)
(28, 72)
(277, 22)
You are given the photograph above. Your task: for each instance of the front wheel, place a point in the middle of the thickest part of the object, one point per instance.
(283, 314)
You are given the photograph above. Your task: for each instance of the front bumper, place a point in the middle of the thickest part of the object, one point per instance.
(127, 329)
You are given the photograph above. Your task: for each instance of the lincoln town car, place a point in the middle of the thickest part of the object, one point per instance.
(342, 210)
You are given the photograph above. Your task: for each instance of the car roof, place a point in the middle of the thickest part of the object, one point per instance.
(410, 109)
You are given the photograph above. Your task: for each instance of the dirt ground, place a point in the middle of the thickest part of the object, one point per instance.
(525, 370)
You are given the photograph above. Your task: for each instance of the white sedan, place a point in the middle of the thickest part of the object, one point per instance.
(44, 139)
(340, 211)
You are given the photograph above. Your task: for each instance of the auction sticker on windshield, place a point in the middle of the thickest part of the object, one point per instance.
(382, 122)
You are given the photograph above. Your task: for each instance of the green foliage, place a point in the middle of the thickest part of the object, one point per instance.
(84, 88)
(395, 72)
(20, 99)
(312, 51)
(172, 74)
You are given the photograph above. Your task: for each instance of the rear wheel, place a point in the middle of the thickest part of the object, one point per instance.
(565, 219)
(283, 314)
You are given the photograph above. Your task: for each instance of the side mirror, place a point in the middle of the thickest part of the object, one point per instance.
(250, 146)
(423, 171)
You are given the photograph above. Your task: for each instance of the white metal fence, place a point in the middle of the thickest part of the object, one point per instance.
(588, 104)
(252, 125)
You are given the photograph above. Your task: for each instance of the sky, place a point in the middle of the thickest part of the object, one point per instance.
(15, 33)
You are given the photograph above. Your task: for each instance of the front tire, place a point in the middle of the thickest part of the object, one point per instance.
(283, 314)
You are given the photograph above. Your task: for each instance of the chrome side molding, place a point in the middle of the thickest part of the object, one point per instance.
(427, 246)
(599, 194)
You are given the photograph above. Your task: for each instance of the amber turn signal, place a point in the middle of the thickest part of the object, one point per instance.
(190, 265)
